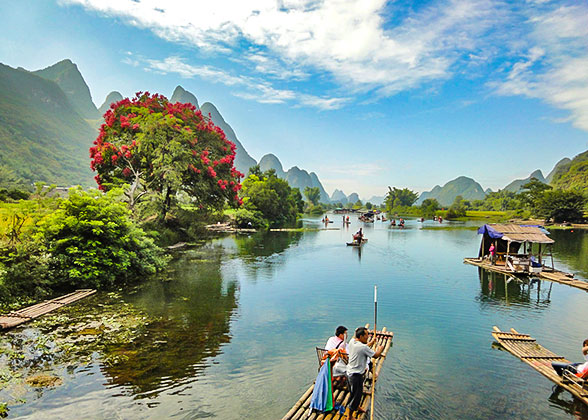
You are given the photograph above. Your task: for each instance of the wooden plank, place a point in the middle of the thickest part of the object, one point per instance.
(19, 317)
(542, 364)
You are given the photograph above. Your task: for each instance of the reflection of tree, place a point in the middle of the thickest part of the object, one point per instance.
(571, 247)
(497, 288)
(255, 250)
(191, 313)
(264, 244)
(569, 405)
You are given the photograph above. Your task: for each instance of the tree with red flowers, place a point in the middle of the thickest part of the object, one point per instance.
(161, 151)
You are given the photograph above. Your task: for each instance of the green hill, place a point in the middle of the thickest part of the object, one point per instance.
(572, 174)
(558, 167)
(517, 185)
(70, 80)
(42, 137)
(464, 186)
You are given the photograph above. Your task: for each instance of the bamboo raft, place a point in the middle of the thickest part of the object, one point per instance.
(555, 276)
(539, 358)
(13, 319)
(301, 409)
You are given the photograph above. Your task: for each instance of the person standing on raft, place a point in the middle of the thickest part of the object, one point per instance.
(359, 356)
(358, 237)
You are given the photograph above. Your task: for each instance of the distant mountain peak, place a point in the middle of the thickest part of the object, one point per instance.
(517, 185)
(111, 98)
(67, 75)
(242, 160)
(183, 96)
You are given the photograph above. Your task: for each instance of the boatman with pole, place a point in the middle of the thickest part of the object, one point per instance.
(360, 353)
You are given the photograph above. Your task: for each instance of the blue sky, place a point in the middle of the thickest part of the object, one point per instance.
(365, 93)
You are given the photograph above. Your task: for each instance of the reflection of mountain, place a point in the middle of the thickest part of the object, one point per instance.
(500, 289)
(192, 307)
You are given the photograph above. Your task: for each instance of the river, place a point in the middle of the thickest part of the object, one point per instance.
(230, 329)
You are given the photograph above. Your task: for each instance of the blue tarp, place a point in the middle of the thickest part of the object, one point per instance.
(493, 233)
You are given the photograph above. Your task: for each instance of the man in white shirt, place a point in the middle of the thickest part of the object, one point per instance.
(338, 341)
(359, 356)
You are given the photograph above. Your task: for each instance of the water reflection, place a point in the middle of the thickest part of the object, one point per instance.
(192, 308)
(571, 248)
(264, 244)
(570, 405)
(501, 289)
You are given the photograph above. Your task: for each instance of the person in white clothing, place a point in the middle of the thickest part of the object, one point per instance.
(576, 368)
(338, 341)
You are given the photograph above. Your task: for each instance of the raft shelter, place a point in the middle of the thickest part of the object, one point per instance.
(521, 250)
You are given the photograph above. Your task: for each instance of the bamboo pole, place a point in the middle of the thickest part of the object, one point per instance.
(376, 338)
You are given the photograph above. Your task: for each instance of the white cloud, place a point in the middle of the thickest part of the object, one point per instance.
(346, 38)
(555, 68)
(368, 46)
(254, 89)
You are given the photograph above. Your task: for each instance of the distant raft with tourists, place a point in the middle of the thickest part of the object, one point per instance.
(358, 239)
(522, 250)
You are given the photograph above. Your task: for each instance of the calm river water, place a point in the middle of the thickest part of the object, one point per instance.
(238, 320)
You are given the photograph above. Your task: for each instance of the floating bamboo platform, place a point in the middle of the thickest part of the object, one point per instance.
(13, 319)
(301, 409)
(555, 276)
(539, 358)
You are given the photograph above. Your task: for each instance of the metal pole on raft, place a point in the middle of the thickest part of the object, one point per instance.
(374, 364)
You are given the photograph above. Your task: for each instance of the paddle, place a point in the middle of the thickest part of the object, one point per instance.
(374, 363)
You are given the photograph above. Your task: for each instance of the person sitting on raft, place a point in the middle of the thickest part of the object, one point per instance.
(338, 341)
(578, 369)
(359, 356)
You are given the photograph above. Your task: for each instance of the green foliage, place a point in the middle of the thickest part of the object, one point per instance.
(399, 197)
(4, 410)
(368, 205)
(161, 151)
(457, 209)
(296, 198)
(573, 175)
(533, 193)
(272, 197)
(316, 210)
(313, 195)
(429, 207)
(245, 218)
(92, 242)
(561, 206)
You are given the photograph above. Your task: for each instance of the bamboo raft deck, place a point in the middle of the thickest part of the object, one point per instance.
(300, 410)
(555, 276)
(13, 319)
(539, 358)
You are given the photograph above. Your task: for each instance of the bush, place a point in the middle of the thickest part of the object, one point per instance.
(92, 242)
(249, 219)
(316, 210)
